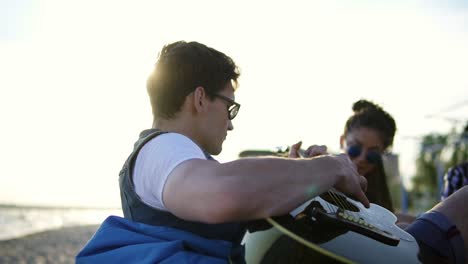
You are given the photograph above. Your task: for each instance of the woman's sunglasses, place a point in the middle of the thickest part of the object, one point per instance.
(372, 156)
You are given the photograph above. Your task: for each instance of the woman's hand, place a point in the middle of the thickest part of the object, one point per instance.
(316, 150)
(294, 150)
(312, 151)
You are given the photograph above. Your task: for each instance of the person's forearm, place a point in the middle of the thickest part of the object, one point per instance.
(253, 188)
(262, 187)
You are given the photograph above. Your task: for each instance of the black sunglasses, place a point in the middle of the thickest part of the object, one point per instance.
(233, 107)
(372, 156)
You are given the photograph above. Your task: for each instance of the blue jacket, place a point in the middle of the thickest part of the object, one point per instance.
(119, 240)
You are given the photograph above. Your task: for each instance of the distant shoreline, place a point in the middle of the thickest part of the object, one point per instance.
(52, 246)
(48, 207)
(18, 221)
(51, 230)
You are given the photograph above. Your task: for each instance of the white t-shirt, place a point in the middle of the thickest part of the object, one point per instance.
(156, 160)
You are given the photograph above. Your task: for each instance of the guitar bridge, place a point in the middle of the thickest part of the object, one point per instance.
(358, 225)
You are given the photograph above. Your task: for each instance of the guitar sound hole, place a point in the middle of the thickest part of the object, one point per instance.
(339, 201)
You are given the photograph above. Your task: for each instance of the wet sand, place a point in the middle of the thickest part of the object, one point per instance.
(54, 246)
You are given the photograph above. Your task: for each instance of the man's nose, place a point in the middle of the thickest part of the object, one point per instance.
(230, 126)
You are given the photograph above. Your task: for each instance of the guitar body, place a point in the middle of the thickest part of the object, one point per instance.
(333, 229)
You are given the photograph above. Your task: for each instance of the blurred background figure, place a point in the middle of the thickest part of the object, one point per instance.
(457, 176)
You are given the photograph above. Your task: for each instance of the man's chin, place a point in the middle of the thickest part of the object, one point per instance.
(215, 151)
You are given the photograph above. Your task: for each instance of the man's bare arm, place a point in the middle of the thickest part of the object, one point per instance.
(253, 188)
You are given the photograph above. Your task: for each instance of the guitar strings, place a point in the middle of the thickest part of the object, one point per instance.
(333, 195)
(330, 208)
(336, 199)
(343, 203)
(347, 208)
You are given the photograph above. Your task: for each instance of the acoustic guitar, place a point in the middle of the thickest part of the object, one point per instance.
(332, 228)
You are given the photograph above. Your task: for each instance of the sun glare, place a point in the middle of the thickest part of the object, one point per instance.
(74, 98)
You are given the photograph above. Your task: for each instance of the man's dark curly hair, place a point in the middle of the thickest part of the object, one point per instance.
(183, 66)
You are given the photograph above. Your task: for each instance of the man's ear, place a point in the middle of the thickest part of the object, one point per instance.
(199, 99)
(342, 139)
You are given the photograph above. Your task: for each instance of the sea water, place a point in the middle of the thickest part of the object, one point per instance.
(17, 221)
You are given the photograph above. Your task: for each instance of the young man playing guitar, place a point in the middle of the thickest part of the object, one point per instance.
(171, 182)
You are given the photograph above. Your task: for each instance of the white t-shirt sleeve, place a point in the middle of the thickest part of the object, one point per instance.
(156, 160)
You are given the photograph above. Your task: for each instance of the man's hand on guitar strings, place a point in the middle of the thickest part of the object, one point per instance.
(351, 183)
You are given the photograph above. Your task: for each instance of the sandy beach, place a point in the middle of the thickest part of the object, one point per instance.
(53, 246)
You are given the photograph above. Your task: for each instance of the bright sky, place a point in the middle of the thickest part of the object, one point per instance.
(73, 96)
